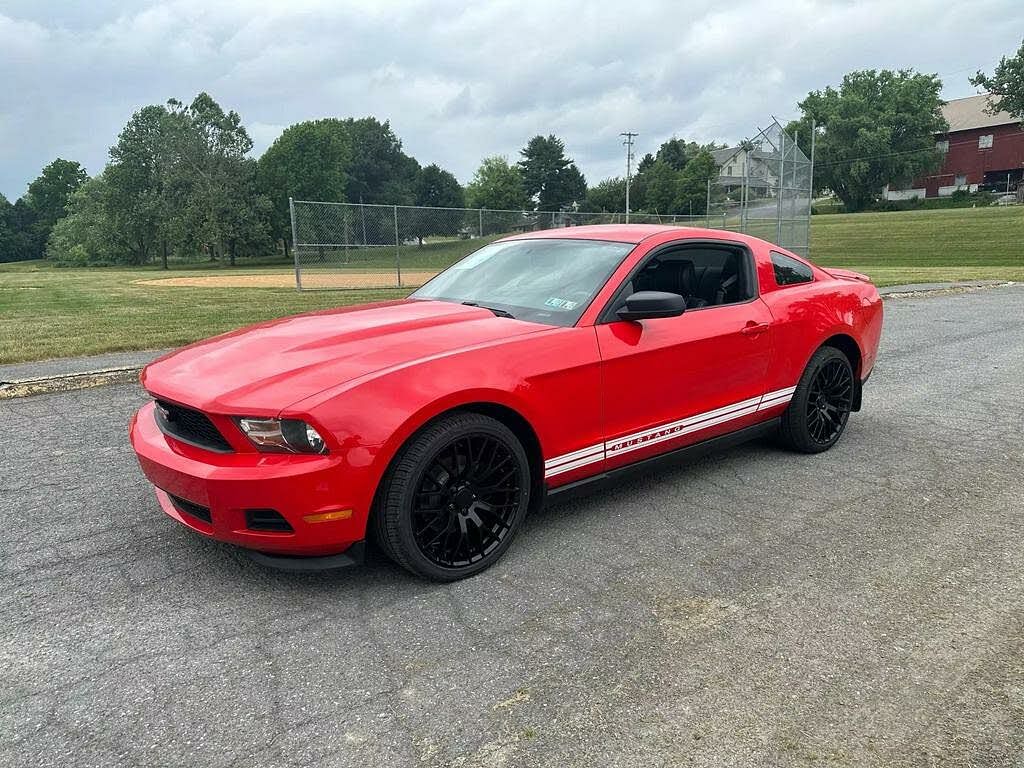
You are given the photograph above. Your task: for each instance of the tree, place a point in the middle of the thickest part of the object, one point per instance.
(49, 193)
(675, 153)
(138, 205)
(571, 189)
(878, 128)
(211, 180)
(1006, 85)
(10, 238)
(379, 171)
(437, 188)
(179, 179)
(661, 182)
(608, 195)
(309, 161)
(48, 197)
(666, 190)
(22, 242)
(550, 178)
(497, 185)
(692, 199)
(84, 237)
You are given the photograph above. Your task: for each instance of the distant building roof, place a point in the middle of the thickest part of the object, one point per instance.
(967, 113)
(722, 156)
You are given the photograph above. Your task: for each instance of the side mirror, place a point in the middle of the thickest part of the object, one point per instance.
(644, 305)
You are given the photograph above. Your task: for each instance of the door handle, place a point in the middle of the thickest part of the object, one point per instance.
(752, 328)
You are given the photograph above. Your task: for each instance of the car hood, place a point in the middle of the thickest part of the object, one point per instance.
(262, 369)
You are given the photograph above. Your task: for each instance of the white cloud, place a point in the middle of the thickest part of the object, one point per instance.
(459, 82)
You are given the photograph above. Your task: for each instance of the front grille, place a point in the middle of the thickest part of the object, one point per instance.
(191, 508)
(190, 426)
(266, 520)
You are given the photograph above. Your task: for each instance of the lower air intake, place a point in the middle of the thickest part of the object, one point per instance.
(191, 508)
(266, 520)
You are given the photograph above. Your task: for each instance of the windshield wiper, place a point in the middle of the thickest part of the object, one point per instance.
(497, 312)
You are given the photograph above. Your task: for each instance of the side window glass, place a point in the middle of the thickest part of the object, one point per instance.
(704, 275)
(789, 271)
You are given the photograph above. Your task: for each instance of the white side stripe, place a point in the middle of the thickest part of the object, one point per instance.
(595, 453)
(575, 464)
(571, 457)
(778, 397)
(632, 444)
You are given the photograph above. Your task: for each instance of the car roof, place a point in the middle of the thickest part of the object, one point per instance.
(617, 233)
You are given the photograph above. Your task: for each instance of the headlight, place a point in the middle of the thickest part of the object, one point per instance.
(283, 435)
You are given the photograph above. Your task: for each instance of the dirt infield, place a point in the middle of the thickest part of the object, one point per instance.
(346, 279)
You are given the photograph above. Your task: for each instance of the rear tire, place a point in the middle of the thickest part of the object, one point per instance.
(454, 498)
(817, 415)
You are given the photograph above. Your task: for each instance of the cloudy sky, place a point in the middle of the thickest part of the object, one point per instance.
(462, 80)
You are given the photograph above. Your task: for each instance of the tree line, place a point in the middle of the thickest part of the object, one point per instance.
(179, 182)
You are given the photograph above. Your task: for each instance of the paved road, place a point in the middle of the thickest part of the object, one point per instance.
(863, 607)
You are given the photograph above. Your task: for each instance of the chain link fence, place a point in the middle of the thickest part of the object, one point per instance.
(763, 189)
(357, 245)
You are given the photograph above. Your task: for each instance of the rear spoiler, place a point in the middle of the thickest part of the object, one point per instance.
(846, 274)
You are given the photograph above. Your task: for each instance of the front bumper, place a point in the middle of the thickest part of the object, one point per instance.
(228, 484)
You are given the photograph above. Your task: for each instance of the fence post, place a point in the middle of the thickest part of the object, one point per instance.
(810, 190)
(745, 193)
(782, 187)
(707, 209)
(480, 211)
(295, 245)
(398, 257)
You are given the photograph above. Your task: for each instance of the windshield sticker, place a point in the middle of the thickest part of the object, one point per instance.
(558, 303)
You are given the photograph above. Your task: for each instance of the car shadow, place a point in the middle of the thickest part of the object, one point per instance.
(378, 575)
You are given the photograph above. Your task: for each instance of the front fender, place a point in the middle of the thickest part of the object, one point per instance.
(550, 379)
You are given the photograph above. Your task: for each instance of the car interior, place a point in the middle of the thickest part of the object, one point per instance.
(705, 276)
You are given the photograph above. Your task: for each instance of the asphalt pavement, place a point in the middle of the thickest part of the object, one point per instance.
(863, 607)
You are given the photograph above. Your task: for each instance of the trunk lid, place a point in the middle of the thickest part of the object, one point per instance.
(847, 274)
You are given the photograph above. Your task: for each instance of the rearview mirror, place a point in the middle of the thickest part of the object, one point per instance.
(645, 305)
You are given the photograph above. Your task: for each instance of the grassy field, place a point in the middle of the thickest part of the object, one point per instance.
(50, 312)
(924, 246)
(962, 237)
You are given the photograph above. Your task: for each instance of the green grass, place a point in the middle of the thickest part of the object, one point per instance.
(953, 237)
(50, 312)
(924, 246)
(47, 311)
(431, 256)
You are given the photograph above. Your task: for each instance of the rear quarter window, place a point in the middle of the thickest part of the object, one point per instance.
(789, 271)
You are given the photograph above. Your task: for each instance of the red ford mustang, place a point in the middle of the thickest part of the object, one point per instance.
(534, 365)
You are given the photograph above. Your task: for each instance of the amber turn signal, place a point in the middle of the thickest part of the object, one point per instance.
(325, 517)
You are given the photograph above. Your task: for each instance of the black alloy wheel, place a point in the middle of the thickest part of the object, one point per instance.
(466, 501)
(829, 402)
(821, 405)
(454, 498)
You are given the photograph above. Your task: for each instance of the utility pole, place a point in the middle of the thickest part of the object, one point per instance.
(628, 143)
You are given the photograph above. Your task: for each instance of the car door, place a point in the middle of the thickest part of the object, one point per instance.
(669, 382)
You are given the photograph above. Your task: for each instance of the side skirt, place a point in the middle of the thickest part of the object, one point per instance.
(687, 453)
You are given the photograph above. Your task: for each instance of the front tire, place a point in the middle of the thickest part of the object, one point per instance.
(817, 415)
(454, 498)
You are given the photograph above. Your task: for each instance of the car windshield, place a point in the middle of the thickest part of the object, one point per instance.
(547, 281)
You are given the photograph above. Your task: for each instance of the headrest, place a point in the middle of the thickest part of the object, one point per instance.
(683, 274)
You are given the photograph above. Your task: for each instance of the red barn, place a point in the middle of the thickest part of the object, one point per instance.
(982, 151)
